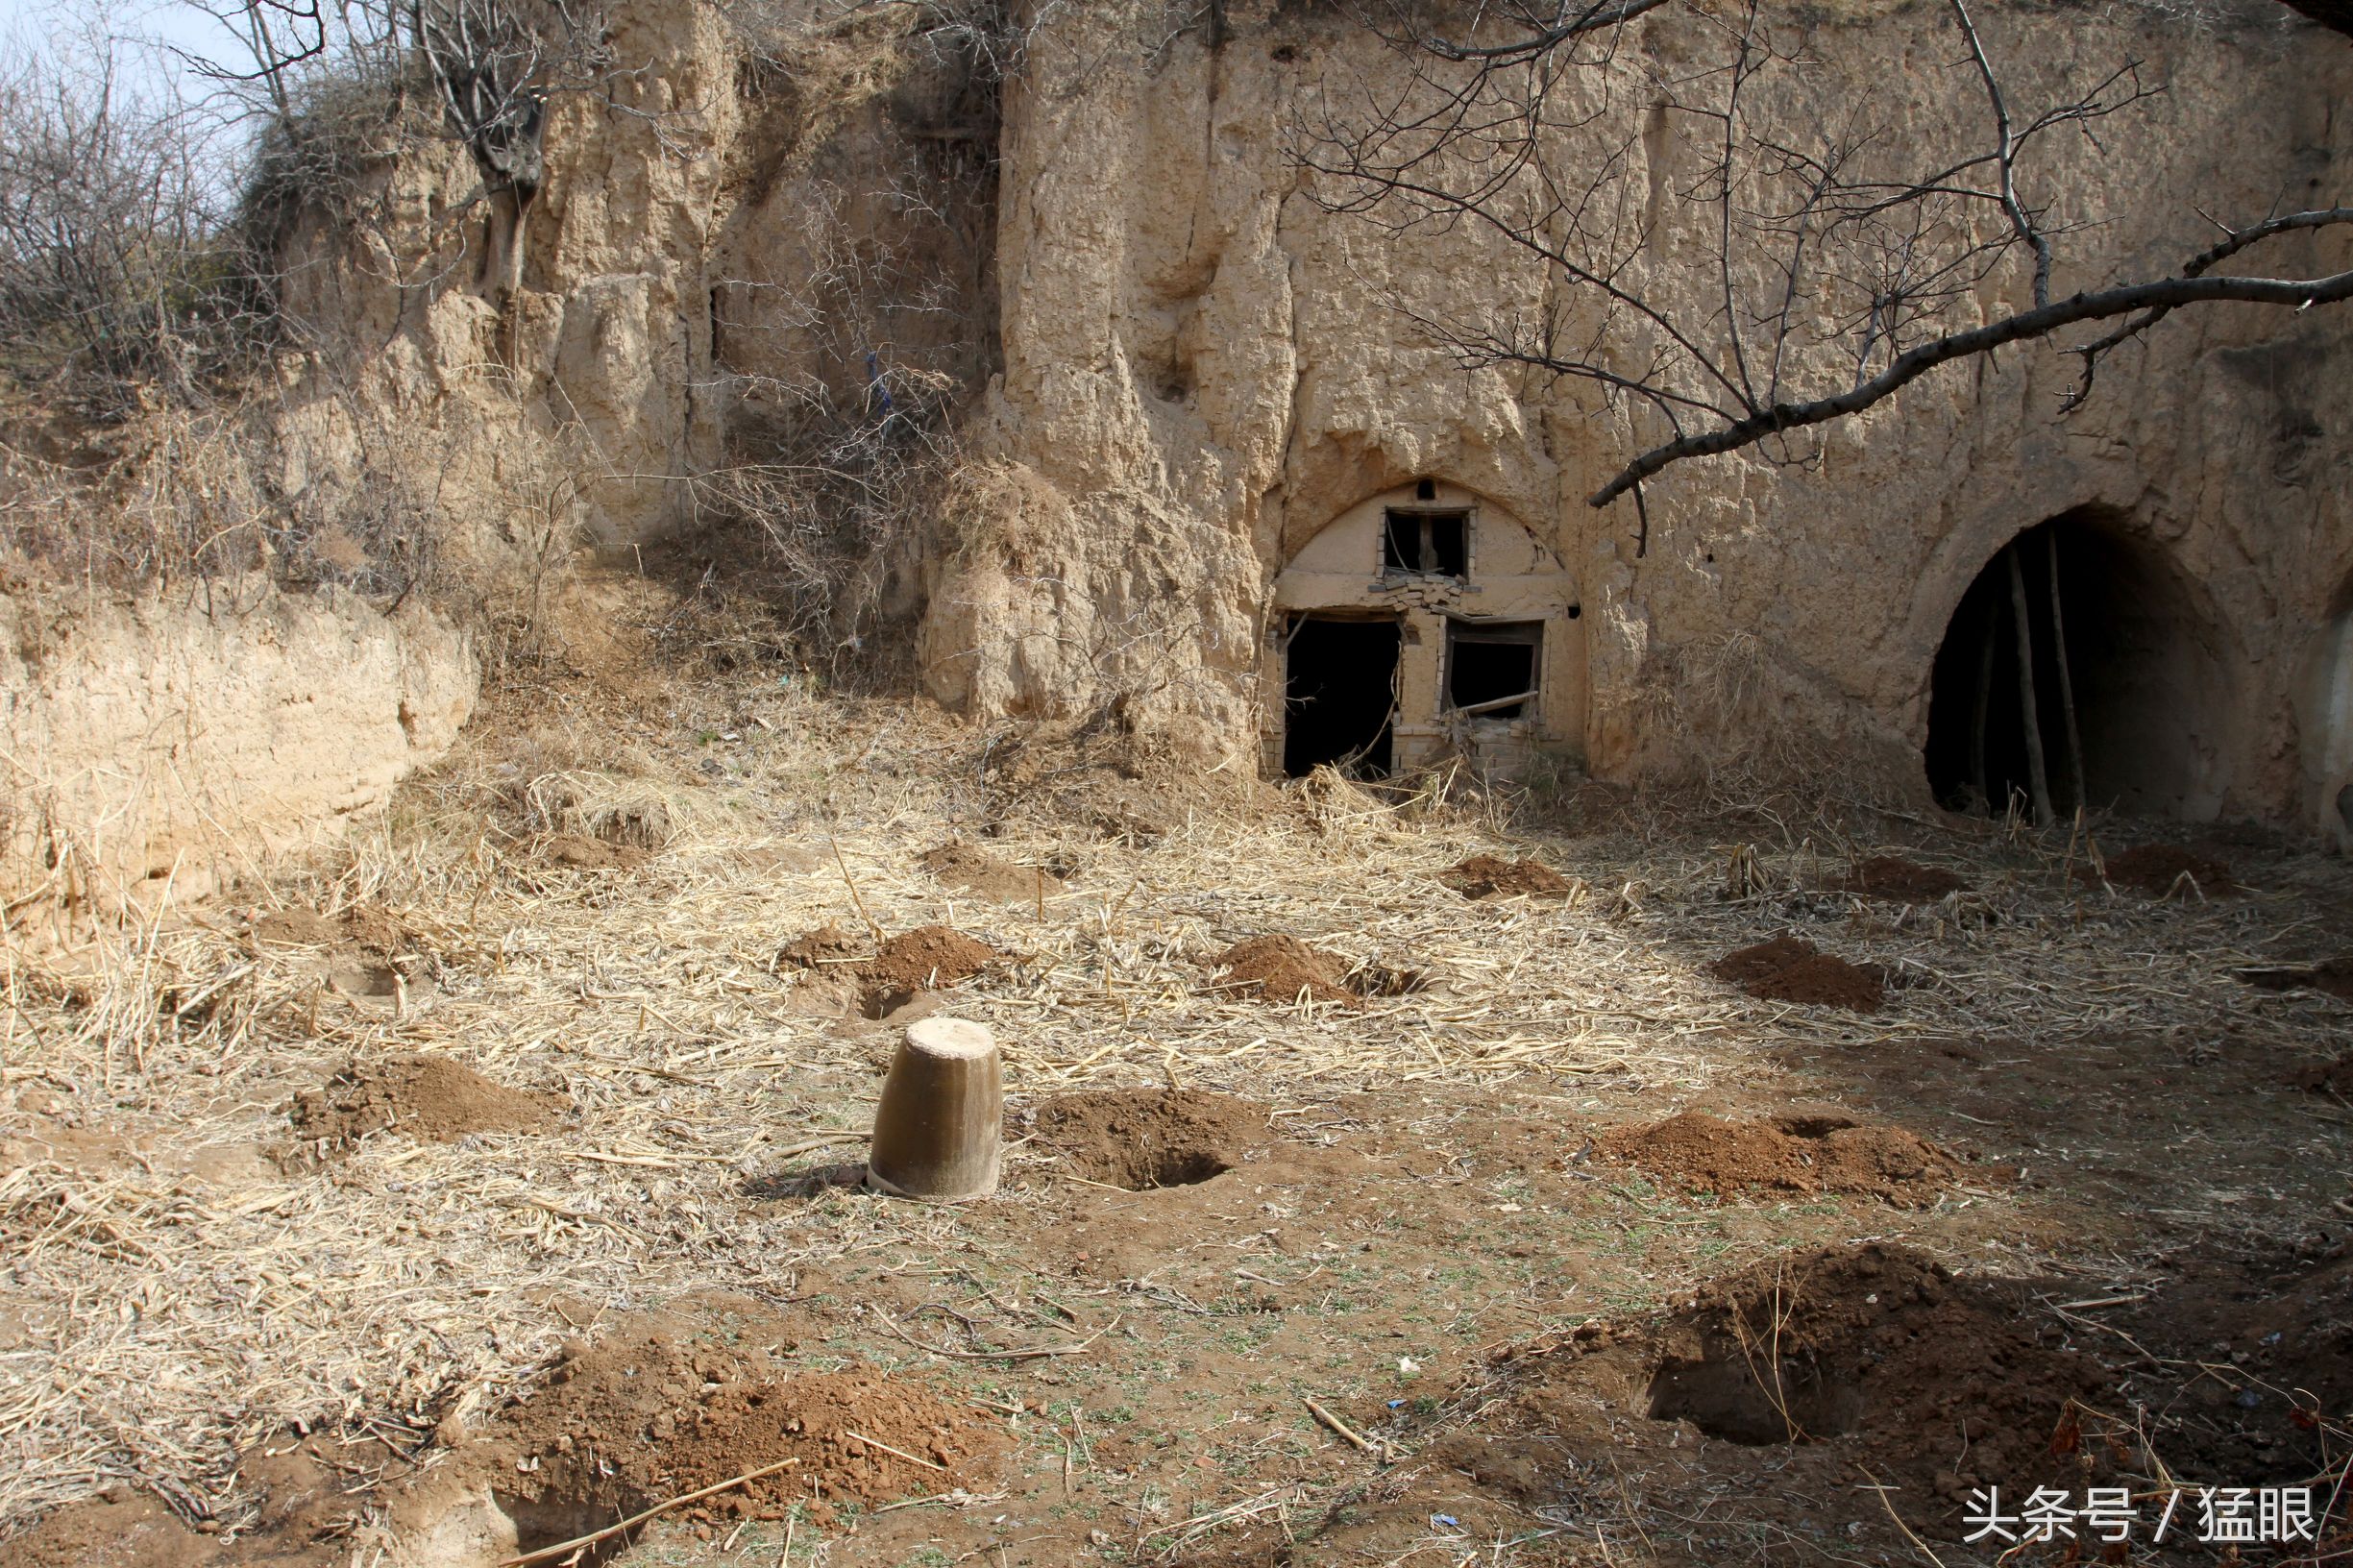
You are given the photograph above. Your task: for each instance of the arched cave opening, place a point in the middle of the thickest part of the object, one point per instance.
(2114, 694)
(1340, 696)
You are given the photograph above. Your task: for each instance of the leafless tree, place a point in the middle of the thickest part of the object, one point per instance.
(1845, 260)
(493, 64)
(112, 263)
(323, 70)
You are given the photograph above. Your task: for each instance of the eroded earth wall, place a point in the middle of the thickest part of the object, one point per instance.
(173, 740)
(1181, 368)
(1204, 367)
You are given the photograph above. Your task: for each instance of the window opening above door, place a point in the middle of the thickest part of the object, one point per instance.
(1426, 543)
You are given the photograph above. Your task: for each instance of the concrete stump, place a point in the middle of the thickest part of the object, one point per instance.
(936, 1132)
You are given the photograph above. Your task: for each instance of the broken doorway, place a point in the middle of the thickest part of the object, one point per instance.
(2112, 696)
(1340, 700)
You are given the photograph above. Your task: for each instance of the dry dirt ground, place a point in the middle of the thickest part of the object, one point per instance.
(469, 1192)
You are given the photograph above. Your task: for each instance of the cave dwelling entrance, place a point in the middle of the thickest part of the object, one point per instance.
(2077, 671)
(1422, 624)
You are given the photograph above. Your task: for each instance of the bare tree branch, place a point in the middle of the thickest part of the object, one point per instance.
(2165, 294)
(1837, 258)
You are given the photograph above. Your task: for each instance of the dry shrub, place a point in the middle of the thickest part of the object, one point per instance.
(641, 812)
(847, 359)
(178, 493)
(118, 275)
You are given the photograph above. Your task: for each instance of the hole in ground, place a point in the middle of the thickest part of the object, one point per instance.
(1146, 1139)
(1175, 1167)
(887, 1002)
(1804, 1126)
(1788, 1400)
(374, 981)
(540, 1525)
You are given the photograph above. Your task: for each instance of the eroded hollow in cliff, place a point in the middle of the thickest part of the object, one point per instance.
(2123, 694)
(1340, 697)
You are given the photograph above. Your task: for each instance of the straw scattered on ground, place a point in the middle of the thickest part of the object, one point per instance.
(176, 1297)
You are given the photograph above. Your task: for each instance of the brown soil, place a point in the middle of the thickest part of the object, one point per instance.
(927, 956)
(368, 928)
(1895, 878)
(1483, 877)
(1760, 961)
(300, 1505)
(1941, 1383)
(2263, 1345)
(829, 943)
(427, 1097)
(1279, 968)
(296, 927)
(900, 976)
(2155, 868)
(1149, 1138)
(647, 1414)
(1789, 968)
(2329, 1078)
(579, 852)
(122, 1528)
(2333, 976)
(961, 866)
(662, 1405)
(1810, 1369)
(372, 928)
(1792, 1154)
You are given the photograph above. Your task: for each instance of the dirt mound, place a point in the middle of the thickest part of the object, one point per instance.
(1792, 1154)
(296, 1503)
(372, 928)
(1789, 968)
(427, 1097)
(1761, 960)
(1485, 876)
(961, 866)
(1815, 1373)
(644, 1416)
(369, 927)
(2333, 976)
(829, 943)
(296, 927)
(906, 968)
(1895, 878)
(577, 851)
(2156, 870)
(121, 1528)
(927, 956)
(1144, 1139)
(1279, 968)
